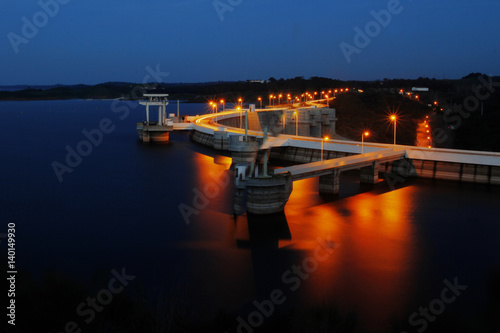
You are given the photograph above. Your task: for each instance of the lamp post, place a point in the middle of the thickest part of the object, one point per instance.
(223, 102)
(394, 119)
(323, 140)
(260, 100)
(296, 113)
(363, 140)
(241, 115)
(240, 100)
(270, 96)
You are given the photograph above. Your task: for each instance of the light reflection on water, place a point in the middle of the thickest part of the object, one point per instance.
(370, 269)
(120, 207)
(375, 270)
(369, 272)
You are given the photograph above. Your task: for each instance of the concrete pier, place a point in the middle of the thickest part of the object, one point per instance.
(221, 139)
(268, 195)
(330, 183)
(369, 174)
(241, 150)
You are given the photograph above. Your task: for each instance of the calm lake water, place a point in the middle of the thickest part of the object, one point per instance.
(378, 253)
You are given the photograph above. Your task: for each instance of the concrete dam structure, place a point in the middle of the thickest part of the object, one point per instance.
(268, 191)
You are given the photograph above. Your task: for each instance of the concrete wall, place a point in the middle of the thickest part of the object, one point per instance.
(456, 171)
(316, 122)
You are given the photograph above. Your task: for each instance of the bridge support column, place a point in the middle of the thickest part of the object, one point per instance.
(330, 184)
(242, 151)
(369, 174)
(221, 140)
(404, 167)
(268, 195)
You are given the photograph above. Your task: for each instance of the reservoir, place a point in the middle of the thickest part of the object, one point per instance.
(370, 257)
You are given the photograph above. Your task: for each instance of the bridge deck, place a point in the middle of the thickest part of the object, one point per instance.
(315, 169)
(208, 124)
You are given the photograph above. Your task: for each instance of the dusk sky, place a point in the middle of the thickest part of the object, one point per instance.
(90, 41)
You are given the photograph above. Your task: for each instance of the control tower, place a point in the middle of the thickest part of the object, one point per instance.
(156, 131)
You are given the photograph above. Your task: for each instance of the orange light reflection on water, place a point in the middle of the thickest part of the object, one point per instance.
(371, 268)
(211, 242)
(211, 194)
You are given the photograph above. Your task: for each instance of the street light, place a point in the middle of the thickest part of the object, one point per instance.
(240, 100)
(279, 98)
(394, 119)
(260, 100)
(363, 140)
(270, 96)
(322, 140)
(223, 102)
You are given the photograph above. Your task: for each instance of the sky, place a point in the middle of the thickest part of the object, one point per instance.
(90, 41)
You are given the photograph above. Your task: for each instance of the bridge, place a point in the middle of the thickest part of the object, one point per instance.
(327, 159)
(329, 171)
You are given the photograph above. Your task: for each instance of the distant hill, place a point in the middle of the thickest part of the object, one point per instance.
(356, 111)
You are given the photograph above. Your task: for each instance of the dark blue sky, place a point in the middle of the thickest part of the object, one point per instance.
(90, 41)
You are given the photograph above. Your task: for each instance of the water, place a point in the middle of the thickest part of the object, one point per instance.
(383, 255)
